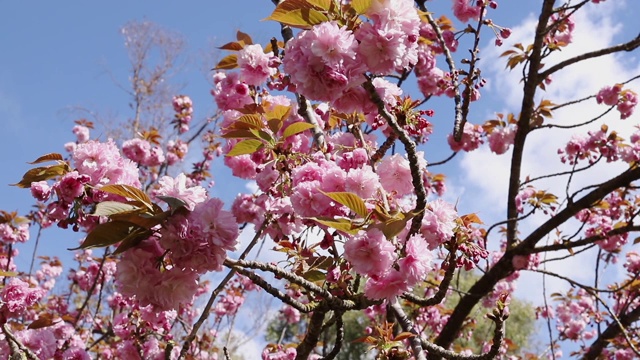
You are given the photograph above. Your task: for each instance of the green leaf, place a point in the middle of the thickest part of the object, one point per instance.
(108, 208)
(248, 146)
(360, 6)
(42, 173)
(110, 233)
(129, 192)
(295, 128)
(47, 157)
(391, 228)
(227, 63)
(344, 225)
(261, 134)
(314, 275)
(350, 200)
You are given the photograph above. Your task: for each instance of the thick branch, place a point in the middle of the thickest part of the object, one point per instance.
(311, 338)
(526, 111)
(504, 266)
(612, 331)
(628, 46)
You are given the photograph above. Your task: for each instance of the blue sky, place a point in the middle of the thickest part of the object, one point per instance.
(59, 55)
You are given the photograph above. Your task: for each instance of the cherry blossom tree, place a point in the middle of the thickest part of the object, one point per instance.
(324, 119)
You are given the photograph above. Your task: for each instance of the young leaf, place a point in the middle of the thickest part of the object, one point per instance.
(232, 46)
(174, 202)
(299, 18)
(108, 208)
(129, 192)
(350, 200)
(248, 146)
(132, 240)
(227, 63)
(245, 38)
(295, 128)
(343, 225)
(47, 157)
(42, 173)
(108, 234)
(253, 120)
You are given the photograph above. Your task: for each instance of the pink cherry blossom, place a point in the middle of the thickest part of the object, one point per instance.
(395, 175)
(322, 63)
(254, 65)
(180, 187)
(370, 253)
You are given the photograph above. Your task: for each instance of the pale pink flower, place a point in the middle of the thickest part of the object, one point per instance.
(17, 295)
(500, 139)
(230, 91)
(290, 314)
(465, 10)
(81, 133)
(438, 223)
(370, 253)
(254, 65)
(609, 95)
(417, 261)
(363, 182)
(322, 63)
(387, 286)
(40, 341)
(137, 150)
(70, 186)
(139, 274)
(471, 138)
(104, 164)
(627, 103)
(395, 175)
(179, 188)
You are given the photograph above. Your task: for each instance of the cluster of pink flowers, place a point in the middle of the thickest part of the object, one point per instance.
(198, 241)
(256, 66)
(390, 42)
(373, 255)
(142, 152)
(183, 106)
(471, 138)
(595, 145)
(562, 32)
(601, 220)
(624, 100)
(466, 10)
(322, 62)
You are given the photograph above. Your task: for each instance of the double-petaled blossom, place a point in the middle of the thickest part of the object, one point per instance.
(104, 165)
(199, 240)
(322, 62)
(255, 66)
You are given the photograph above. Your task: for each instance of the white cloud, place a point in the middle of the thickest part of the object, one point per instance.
(484, 175)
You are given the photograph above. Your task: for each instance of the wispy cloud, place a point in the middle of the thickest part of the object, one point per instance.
(484, 175)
